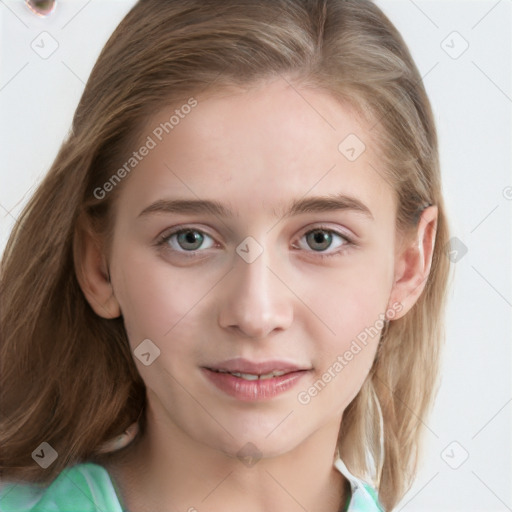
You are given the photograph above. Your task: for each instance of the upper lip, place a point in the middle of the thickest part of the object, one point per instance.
(240, 365)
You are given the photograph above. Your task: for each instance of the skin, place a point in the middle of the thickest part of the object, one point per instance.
(254, 151)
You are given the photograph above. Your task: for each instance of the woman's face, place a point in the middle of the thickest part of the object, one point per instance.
(286, 264)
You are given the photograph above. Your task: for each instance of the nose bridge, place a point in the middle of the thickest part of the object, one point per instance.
(257, 301)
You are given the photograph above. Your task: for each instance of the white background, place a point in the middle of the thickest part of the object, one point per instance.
(472, 99)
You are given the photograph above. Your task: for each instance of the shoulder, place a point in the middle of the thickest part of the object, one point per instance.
(84, 487)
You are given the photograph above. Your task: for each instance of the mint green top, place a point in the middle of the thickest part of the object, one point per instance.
(87, 487)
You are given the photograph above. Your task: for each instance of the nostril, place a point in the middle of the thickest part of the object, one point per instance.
(41, 7)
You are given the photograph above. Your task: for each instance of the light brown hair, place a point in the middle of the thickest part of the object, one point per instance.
(67, 376)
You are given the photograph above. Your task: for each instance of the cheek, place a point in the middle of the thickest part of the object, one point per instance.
(343, 360)
(158, 305)
(154, 299)
(353, 298)
(353, 309)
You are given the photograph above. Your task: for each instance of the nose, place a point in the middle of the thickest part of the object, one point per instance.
(256, 300)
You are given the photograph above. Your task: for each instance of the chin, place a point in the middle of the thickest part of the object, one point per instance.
(257, 443)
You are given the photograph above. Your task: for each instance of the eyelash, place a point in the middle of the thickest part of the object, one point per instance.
(164, 239)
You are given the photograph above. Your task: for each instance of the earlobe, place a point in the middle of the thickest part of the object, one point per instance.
(413, 263)
(93, 275)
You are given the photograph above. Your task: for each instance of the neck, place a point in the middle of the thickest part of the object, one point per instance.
(167, 470)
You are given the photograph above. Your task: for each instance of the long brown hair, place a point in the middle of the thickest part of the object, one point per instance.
(67, 376)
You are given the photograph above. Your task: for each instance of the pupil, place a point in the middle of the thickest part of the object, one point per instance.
(191, 237)
(323, 238)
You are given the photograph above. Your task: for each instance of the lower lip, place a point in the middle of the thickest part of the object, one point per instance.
(252, 390)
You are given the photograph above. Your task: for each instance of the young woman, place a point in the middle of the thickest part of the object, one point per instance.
(228, 291)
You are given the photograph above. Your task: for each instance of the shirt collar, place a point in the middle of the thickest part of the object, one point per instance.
(361, 500)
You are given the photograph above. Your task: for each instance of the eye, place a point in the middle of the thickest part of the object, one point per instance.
(186, 240)
(320, 239)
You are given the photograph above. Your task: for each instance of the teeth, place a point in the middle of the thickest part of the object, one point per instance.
(272, 374)
(246, 376)
(252, 376)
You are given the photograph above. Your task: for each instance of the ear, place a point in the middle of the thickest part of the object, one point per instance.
(413, 262)
(93, 275)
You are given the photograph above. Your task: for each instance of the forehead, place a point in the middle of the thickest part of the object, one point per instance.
(270, 143)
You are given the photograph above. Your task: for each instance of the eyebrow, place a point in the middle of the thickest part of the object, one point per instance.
(318, 204)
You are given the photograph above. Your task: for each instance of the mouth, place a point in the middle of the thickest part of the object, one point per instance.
(250, 381)
(254, 376)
